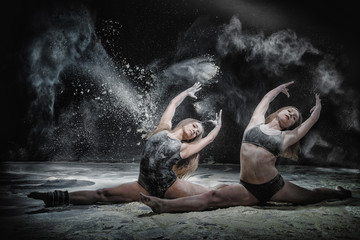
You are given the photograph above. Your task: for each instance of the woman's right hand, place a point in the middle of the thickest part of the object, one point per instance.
(195, 88)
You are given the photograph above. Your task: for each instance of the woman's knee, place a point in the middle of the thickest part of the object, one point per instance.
(231, 196)
(213, 197)
(102, 194)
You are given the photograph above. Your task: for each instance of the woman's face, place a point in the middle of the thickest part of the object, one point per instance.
(288, 117)
(192, 130)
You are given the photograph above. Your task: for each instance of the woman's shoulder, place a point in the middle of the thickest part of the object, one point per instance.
(252, 125)
(161, 132)
(254, 121)
(157, 135)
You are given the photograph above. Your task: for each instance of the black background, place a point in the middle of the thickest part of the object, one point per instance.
(153, 30)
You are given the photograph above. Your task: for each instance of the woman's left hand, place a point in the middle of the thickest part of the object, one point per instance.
(317, 103)
(217, 121)
(195, 88)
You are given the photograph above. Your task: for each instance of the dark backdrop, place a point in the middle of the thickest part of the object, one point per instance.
(86, 80)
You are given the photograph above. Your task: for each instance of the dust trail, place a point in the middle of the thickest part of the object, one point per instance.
(274, 53)
(68, 53)
(100, 105)
(328, 82)
(178, 76)
(327, 78)
(313, 139)
(48, 55)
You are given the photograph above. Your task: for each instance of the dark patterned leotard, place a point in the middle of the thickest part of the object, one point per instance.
(159, 156)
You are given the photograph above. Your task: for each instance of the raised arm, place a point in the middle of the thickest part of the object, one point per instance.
(260, 110)
(188, 149)
(175, 102)
(293, 136)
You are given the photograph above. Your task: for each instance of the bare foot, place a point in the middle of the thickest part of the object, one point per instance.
(344, 193)
(152, 202)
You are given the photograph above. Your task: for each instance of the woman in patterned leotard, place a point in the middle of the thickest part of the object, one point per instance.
(168, 156)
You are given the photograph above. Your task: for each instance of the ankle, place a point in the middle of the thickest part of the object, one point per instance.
(56, 198)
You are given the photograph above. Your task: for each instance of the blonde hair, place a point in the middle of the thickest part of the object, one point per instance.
(290, 152)
(185, 167)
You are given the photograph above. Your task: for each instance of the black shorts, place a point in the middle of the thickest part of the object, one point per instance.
(263, 192)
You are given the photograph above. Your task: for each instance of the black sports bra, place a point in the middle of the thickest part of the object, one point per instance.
(272, 143)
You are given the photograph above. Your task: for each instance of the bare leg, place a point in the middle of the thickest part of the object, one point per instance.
(127, 192)
(227, 196)
(183, 188)
(219, 186)
(298, 195)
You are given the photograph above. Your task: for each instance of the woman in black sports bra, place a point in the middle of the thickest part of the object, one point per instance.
(168, 156)
(263, 141)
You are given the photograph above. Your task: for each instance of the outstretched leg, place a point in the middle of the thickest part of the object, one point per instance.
(227, 196)
(127, 192)
(299, 195)
(183, 188)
